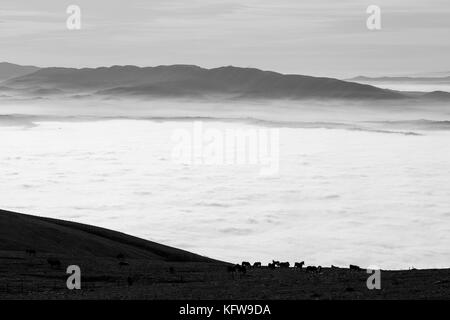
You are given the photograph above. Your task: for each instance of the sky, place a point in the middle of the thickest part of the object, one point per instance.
(313, 37)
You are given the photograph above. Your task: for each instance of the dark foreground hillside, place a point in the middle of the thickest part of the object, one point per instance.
(117, 266)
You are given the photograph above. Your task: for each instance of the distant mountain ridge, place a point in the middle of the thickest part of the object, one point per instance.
(437, 95)
(190, 81)
(195, 82)
(11, 70)
(445, 79)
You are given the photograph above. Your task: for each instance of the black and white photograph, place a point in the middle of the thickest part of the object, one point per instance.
(202, 150)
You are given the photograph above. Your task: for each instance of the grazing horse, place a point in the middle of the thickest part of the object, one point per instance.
(355, 268)
(299, 265)
(313, 269)
(31, 252)
(246, 264)
(54, 263)
(276, 263)
(241, 269)
(120, 256)
(237, 268)
(257, 265)
(130, 281)
(284, 264)
(231, 269)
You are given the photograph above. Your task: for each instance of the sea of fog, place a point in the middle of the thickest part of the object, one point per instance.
(370, 187)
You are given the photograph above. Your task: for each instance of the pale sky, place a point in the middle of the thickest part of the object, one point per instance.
(314, 37)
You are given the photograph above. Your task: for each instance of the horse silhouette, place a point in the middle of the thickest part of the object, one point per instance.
(54, 263)
(31, 252)
(355, 268)
(314, 269)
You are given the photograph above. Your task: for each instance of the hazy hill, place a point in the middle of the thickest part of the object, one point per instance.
(437, 95)
(10, 70)
(194, 81)
(19, 232)
(436, 80)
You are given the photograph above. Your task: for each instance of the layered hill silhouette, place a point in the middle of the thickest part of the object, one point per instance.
(437, 95)
(190, 81)
(11, 70)
(434, 80)
(439, 84)
(20, 232)
(193, 81)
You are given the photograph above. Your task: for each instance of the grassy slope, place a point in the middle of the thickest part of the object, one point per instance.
(19, 232)
(154, 271)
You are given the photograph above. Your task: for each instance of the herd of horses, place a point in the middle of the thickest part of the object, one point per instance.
(242, 268)
(237, 268)
(245, 265)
